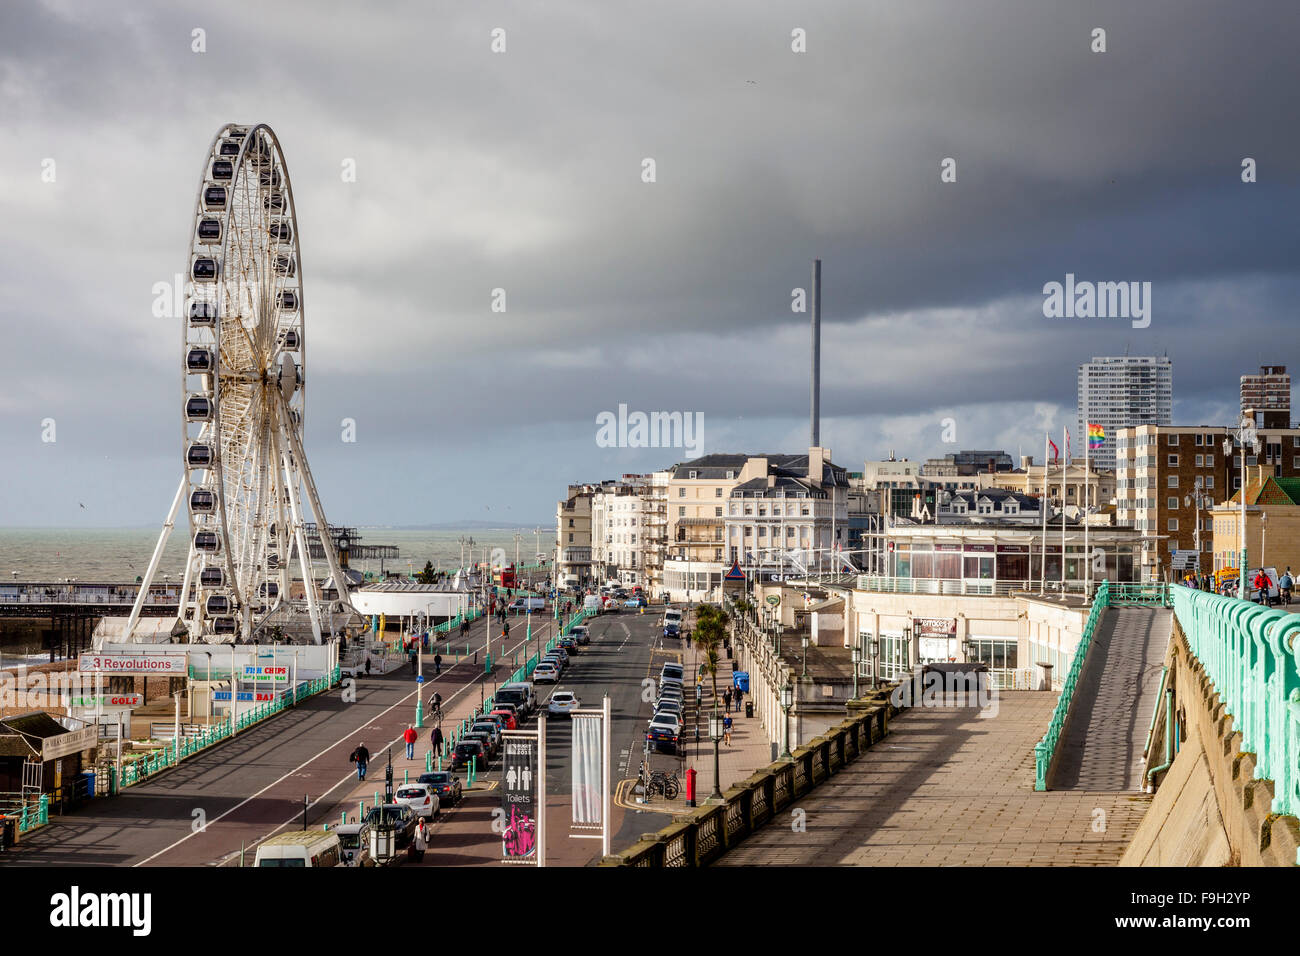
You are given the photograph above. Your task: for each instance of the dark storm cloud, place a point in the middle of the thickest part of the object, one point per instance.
(521, 171)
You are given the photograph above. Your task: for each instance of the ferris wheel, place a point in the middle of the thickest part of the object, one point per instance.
(246, 482)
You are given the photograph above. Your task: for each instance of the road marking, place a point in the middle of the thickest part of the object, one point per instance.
(346, 777)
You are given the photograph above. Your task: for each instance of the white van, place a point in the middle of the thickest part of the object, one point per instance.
(528, 604)
(591, 603)
(316, 848)
(673, 616)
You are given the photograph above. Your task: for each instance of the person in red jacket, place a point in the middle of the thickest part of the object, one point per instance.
(410, 736)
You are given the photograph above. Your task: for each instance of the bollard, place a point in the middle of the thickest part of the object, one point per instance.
(440, 762)
(343, 818)
(428, 760)
(361, 810)
(376, 803)
(406, 777)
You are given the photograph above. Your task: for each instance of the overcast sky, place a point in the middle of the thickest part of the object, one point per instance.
(522, 170)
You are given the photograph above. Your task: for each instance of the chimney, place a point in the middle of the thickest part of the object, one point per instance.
(816, 411)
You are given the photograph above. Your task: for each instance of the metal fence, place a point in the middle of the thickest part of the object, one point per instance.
(1108, 595)
(188, 746)
(1252, 655)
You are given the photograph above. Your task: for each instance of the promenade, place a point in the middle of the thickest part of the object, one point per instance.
(948, 787)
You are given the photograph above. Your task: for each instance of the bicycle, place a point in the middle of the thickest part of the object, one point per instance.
(665, 783)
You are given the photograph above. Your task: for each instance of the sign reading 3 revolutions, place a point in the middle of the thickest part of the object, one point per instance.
(519, 797)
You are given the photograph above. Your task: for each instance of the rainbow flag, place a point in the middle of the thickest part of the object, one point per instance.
(1096, 435)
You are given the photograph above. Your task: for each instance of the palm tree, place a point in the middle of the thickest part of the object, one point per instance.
(710, 629)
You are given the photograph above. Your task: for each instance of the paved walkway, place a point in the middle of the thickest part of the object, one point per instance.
(948, 787)
(1101, 748)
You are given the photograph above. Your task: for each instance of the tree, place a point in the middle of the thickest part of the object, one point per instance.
(428, 575)
(710, 631)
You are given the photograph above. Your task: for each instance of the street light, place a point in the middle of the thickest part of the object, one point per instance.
(787, 701)
(873, 645)
(805, 659)
(1262, 519)
(857, 659)
(715, 732)
(1246, 435)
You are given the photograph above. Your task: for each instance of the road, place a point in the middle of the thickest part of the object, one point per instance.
(625, 650)
(244, 789)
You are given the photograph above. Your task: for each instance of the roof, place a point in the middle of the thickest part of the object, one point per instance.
(1270, 491)
(794, 466)
(830, 605)
(20, 735)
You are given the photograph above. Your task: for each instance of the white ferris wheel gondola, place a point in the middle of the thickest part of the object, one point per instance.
(246, 480)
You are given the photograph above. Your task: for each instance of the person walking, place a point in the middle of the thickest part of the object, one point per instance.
(435, 739)
(726, 699)
(739, 694)
(412, 656)
(410, 736)
(360, 757)
(420, 842)
(437, 664)
(726, 730)
(1284, 585)
(367, 665)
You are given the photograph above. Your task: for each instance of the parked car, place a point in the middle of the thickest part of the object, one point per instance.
(447, 785)
(546, 673)
(662, 737)
(354, 843)
(468, 751)
(562, 703)
(481, 737)
(421, 798)
(519, 693)
(672, 670)
(581, 633)
(561, 653)
(395, 814)
(670, 705)
(667, 719)
(672, 631)
(569, 644)
(507, 715)
(491, 730)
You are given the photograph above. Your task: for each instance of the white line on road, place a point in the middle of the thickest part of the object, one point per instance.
(283, 777)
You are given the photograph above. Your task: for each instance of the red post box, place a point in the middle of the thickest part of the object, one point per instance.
(690, 787)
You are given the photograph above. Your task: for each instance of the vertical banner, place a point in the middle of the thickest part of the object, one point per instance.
(519, 797)
(588, 779)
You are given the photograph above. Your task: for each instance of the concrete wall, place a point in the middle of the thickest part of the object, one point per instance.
(1209, 810)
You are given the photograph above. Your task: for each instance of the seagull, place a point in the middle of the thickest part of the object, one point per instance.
(83, 507)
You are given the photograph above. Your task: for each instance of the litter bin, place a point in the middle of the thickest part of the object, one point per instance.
(8, 832)
(749, 708)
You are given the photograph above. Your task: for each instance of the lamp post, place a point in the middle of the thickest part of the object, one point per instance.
(804, 671)
(1246, 436)
(873, 645)
(787, 701)
(857, 659)
(1197, 500)
(1263, 519)
(715, 732)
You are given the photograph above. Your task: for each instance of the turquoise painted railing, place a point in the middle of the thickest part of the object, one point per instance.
(178, 750)
(1045, 749)
(1108, 595)
(1252, 656)
(31, 812)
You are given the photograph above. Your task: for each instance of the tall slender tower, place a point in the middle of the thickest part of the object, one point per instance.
(816, 352)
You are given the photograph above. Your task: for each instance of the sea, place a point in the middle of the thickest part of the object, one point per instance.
(120, 555)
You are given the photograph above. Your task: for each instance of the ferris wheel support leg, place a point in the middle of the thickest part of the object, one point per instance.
(157, 557)
(317, 512)
(289, 468)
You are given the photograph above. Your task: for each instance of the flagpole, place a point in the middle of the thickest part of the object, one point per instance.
(1065, 465)
(1042, 577)
(1087, 495)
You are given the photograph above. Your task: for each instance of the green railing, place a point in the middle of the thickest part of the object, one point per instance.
(180, 749)
(1108, 595)
(1252, 655)
(30, 811)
